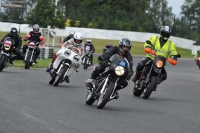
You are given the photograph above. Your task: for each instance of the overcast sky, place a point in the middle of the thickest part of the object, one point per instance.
(176, 5)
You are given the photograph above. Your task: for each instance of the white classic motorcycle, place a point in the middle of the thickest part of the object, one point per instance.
(68, 60)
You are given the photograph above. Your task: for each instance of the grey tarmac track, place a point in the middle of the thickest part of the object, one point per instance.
(28, 104)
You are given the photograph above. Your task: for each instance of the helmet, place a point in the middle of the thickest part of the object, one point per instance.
(124, 46)
(89, 41)
(78, 38)
(71, 34)
(165, 32)
(109, 45)
(13, 31)
(36, 28)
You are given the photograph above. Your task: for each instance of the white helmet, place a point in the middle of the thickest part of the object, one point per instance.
(78, 38)
(89, 41)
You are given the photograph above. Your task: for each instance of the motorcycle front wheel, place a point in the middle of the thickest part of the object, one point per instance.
(2, 62)
(152, 85)
(59, 77)
(105, 96)
(27, 61)
(85, 63)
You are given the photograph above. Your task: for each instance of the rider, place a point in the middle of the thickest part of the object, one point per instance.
(123, 49)
(90, 47)
(164, 48)
(71, 35)
(17, 44)
(77, 42)
(197, 54)
(36, 37)
(109, 45)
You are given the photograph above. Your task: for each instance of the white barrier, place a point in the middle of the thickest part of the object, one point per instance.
(105, 34)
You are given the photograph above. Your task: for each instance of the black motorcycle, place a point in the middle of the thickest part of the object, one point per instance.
(87, 59)
(6, 52)
(151, 76)
(29, 58)
(104, 87)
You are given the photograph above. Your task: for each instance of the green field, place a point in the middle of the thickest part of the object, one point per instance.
(137, 49)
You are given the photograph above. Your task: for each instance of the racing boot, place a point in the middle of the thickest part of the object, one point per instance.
(67, 79)
(136, 76)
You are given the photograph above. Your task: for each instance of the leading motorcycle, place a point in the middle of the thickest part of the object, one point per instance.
(151, 75)
(68, 60)
(104, 87)
(6, 52)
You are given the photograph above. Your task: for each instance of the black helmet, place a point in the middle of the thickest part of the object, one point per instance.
(13, 31)
(124, 42)
(165, 32)
(109, 45)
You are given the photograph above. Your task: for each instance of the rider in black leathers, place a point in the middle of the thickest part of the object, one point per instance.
(17, 44)
(123, 50)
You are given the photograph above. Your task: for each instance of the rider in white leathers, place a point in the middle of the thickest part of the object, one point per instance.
(77, 42)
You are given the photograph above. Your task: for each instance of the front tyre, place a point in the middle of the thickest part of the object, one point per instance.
(2, 62)
(60, 76)
(85, 63)
(105, 97)
(27, 61)
(152, 85)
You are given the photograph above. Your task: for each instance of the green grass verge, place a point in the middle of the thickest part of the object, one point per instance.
(137, 49)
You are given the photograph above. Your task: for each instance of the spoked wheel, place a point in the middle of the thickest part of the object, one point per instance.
(152, 85)
(59, 77)
(85, 63)
(105, 96)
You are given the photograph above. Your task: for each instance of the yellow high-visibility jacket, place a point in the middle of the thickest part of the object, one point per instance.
(168, 49)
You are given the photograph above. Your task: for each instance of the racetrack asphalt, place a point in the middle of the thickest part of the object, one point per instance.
(28, 104)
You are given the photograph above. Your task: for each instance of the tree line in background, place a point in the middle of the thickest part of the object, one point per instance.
(129, 15)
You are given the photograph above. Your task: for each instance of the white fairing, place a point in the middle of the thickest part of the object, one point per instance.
(62, 54)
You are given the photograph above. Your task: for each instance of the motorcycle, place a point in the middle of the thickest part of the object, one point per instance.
(87, 59)
(6, 52)
(68, 60)
(103, 88)
(151, 76)
(29, 58)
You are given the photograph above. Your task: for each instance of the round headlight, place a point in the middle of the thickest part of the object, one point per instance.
(76, 58)
(67, 52)
(119, 70)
